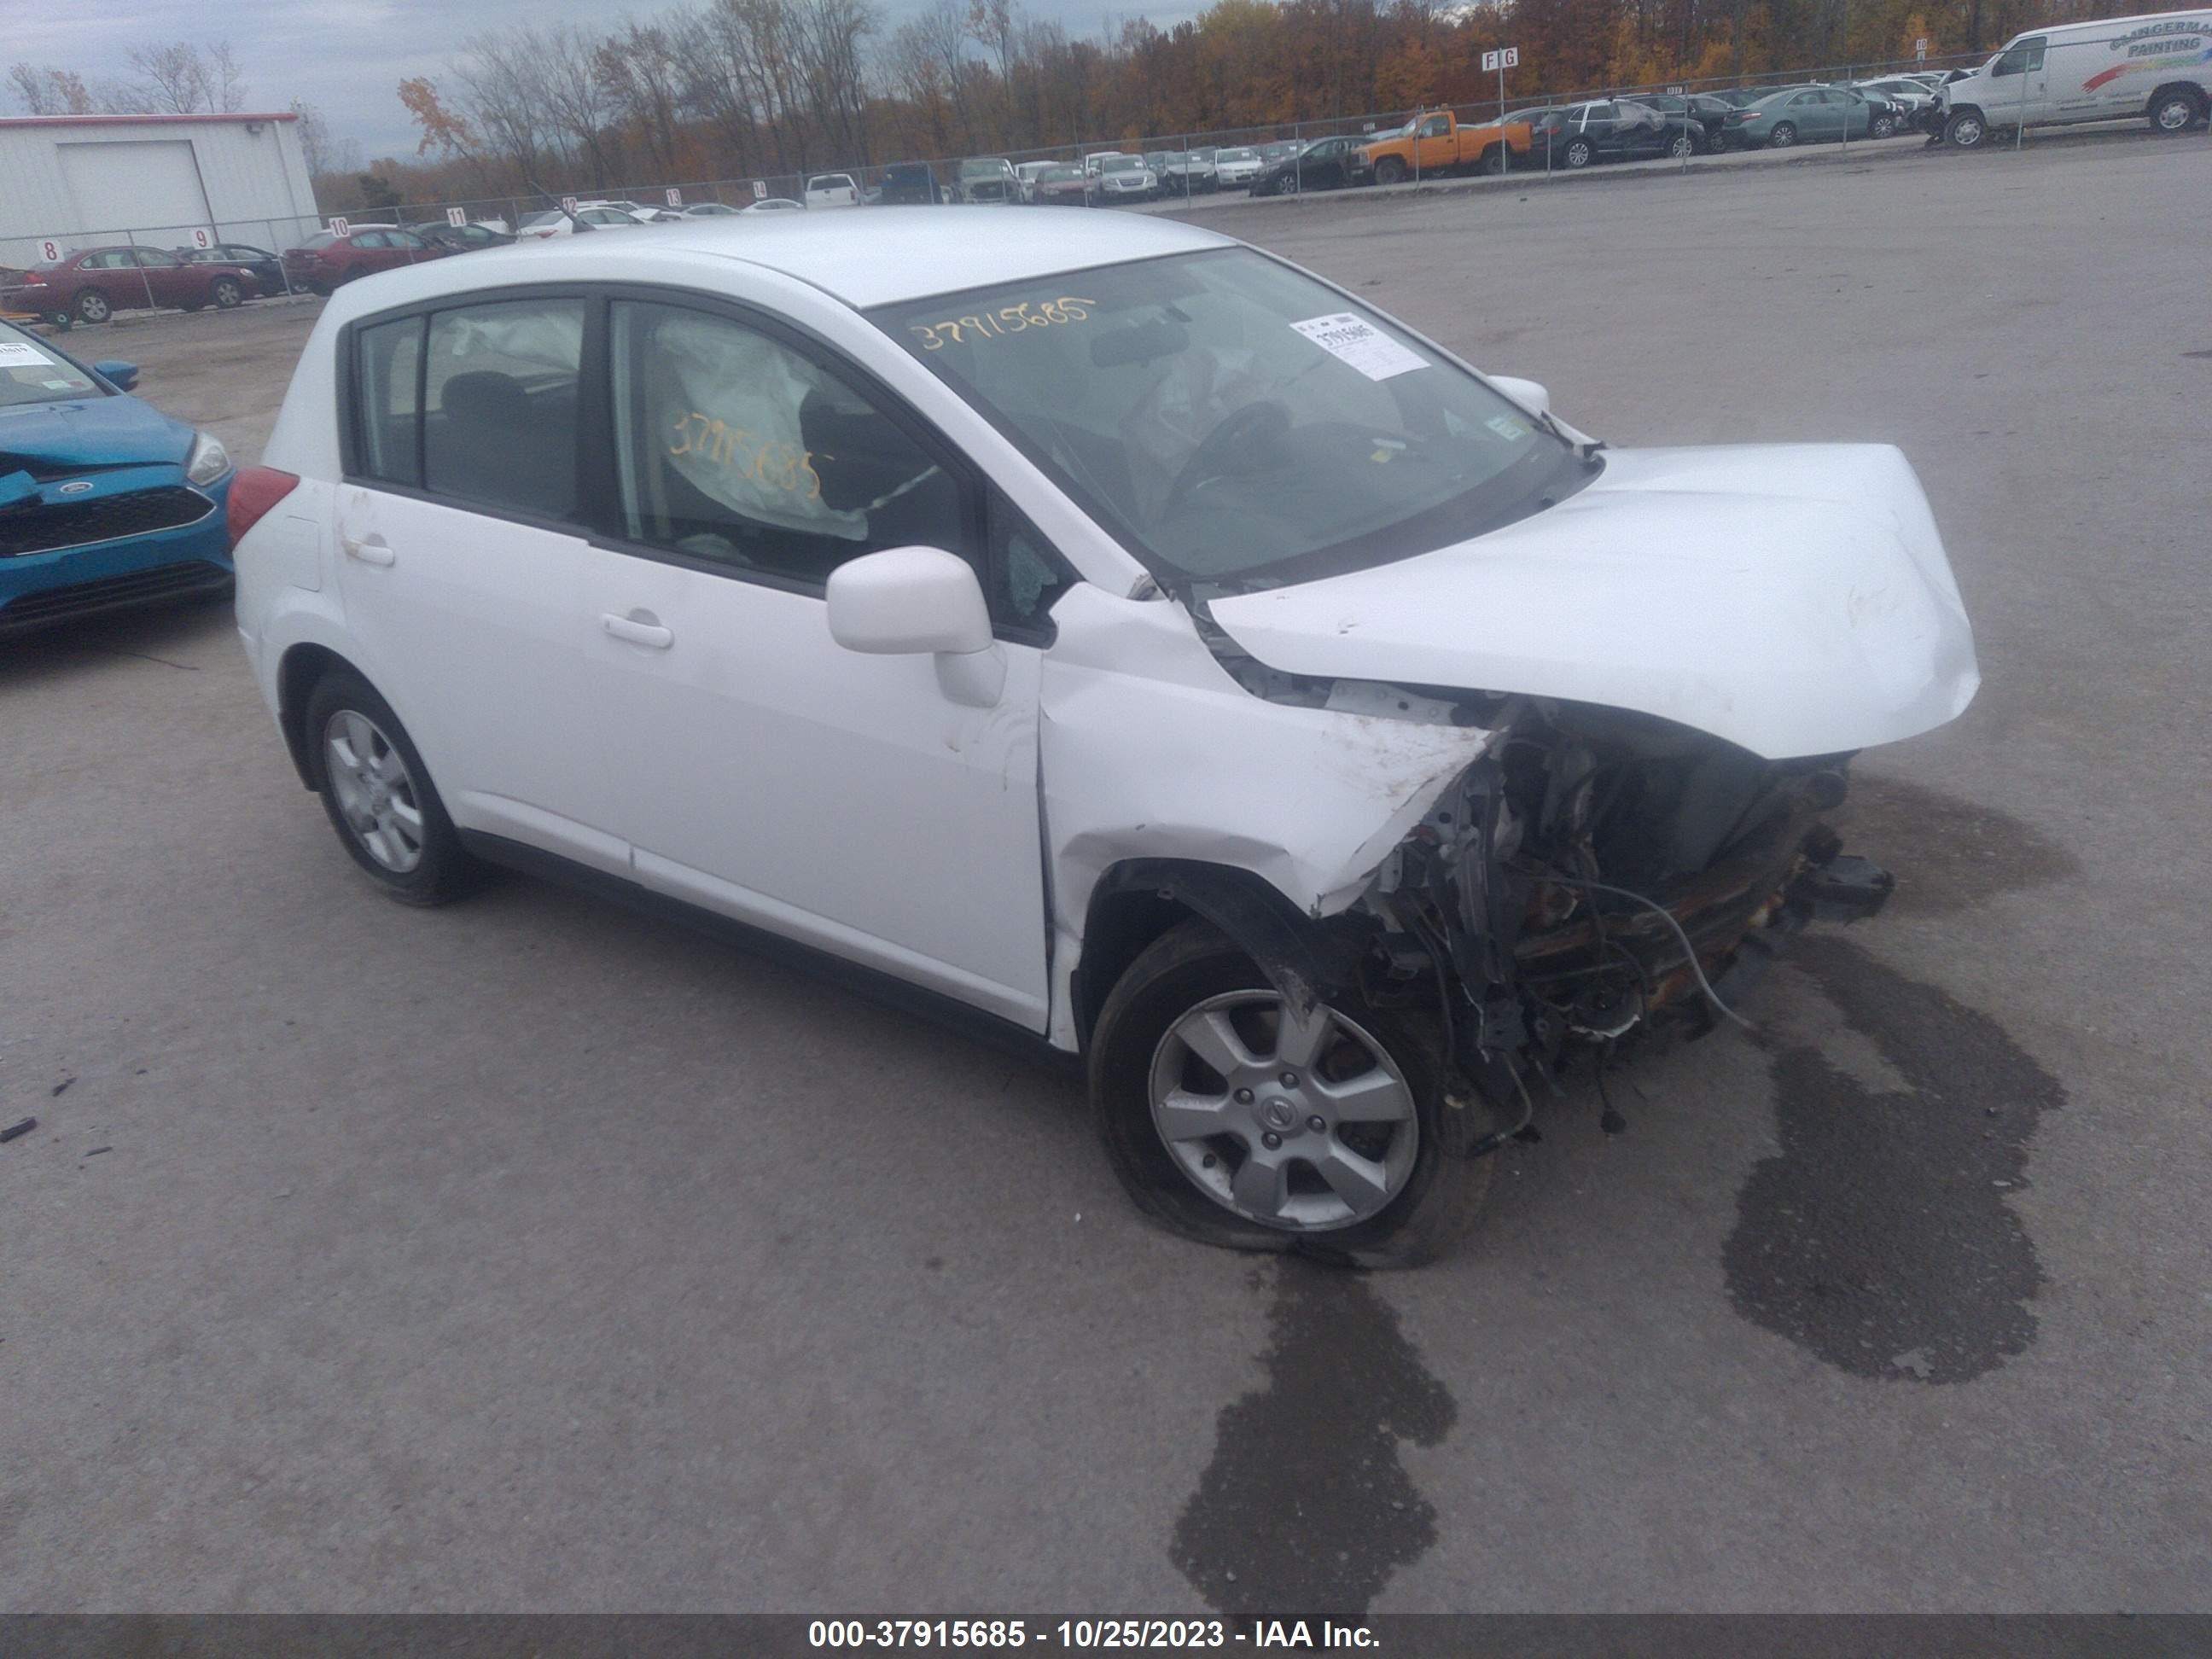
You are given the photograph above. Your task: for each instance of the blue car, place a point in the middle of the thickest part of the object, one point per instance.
(105, 501)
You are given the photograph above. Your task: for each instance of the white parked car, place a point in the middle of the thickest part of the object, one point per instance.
(1030, 172)
(773, 204)
(1122, 638)
(832, 190)
(710, 210)
(1237, 167)
(588, 216)
(1126, 178)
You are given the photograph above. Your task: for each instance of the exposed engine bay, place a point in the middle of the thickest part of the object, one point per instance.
(1592, 882)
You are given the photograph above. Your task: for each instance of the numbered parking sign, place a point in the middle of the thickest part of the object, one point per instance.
(51, 253)
(340, 228)
(760, 190)
(203, 238)
(675, 197)
(1920, 49)
(456, 217)
(567, 204)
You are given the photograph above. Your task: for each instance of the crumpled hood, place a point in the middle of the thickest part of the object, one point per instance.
(1792, 598)
(89, 432)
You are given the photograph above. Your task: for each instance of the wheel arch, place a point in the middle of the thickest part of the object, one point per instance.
(300, 667)
(2188, 89)
(1137, 899)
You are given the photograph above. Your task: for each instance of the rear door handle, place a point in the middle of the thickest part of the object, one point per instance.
(639, 627)
(372, 551)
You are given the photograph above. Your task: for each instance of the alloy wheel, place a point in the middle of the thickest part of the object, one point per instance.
(375, 795)
(1299, 1124)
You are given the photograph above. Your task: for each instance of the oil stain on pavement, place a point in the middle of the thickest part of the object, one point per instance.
(1305, 1503)
(1951, 854)
(1881, 1238)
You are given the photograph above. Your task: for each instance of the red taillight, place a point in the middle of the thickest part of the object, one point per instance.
(252, 493)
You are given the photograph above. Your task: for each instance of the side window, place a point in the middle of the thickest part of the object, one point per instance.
(387, 378)
(1027, 577)
(118, 260)
(499, 405)
(1435, 127)
(154, 258)
(365, 238)
(2022, 56)
(731, 446)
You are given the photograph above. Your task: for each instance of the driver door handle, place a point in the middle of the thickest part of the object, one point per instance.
(639, 627)
(371, 551)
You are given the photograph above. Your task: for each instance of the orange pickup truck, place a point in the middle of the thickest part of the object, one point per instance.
(1436, 143)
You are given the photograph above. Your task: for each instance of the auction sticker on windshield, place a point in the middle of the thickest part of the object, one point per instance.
(1361, 344)
(21, 354)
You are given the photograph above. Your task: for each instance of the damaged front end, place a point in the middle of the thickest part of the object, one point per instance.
(1595, 880)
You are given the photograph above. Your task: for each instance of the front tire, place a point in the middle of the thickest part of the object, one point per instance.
(1885, 127)
(1580, 153)
(1682, 145)
(1966, 130)
(1390, 170)
(379, 795)
(225, 294)
(1194, 1073)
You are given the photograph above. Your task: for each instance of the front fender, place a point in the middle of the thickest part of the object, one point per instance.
(1150, 752)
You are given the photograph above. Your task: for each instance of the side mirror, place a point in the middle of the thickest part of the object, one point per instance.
(1531, 395)
(907, 601)
(122, 375)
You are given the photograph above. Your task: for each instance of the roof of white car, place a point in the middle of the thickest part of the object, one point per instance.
(879, 256)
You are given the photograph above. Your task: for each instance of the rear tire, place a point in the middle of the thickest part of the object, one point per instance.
(1434, 1192)
(1885, 127)
(92, 306)
(378, 796)
(1682, 145)
(1580, 153)
(1782, 136)
(2174, 110)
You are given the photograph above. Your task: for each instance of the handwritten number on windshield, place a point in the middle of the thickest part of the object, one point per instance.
(1005, 320)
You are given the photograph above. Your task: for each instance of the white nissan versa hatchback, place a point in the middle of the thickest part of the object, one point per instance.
(1120, 635)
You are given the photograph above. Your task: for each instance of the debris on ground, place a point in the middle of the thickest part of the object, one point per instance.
(14, 1130)
(61, 1085)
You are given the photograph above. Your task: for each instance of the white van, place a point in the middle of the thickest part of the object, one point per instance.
(2158, 66)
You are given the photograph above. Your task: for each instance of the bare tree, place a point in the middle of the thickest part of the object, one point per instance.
(51, 91)
(578, 100)
(502, 103)
(643, 72)
(183, 79)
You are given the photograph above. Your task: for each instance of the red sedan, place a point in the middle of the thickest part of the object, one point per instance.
(93, 285)
(324, 261)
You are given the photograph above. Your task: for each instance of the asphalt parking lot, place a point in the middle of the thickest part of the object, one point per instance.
(527, 1253)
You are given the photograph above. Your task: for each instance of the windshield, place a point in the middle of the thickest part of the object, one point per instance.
(1236, 423)
(981, 169)
(1238, 156)
(1121, 164)
(33, 372)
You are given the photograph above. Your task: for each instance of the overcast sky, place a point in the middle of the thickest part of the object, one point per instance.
(348, 57)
